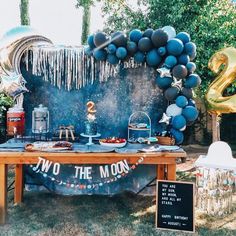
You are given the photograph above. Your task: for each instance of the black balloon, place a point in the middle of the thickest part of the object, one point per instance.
(100, 38)
(187, 92)
(159, 38)
(180, 71)
(148, 33)
(145, 44)
(172, 93)
(119, 39)
(131, 48)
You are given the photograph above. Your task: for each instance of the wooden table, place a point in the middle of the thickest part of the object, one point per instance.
(165, 162)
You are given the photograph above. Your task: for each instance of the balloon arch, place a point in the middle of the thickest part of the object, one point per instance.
(169, 53)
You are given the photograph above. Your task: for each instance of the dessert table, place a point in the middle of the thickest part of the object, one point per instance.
(165, 166)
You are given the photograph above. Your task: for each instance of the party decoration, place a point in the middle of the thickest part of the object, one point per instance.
(111, 48)
(161, 51)
(165, 119)
(170, 61)
(119, 39)
(100, 54)
(112, 59)
(180, 71)
(148, 33)
(139, 57)
(190, 48)
(175, 47)
(132, 48)
(163, 82)
(192, 81)
(164, 72)
(171, 93)
(144, 44)
(153, 58)
(159, 38)
(170, 31)
(100, 39)
(190, 113)
(135, 35)
(183, 59)
(178, 122)
(90, 41)
(184, 37)
(178, 135)
(191, 67)
(181, 101)
(187, 92)
(121, 52)
(173, 110)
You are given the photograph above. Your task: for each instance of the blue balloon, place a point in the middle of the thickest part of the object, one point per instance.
(191, 67)
(112, 59)
(100, 54)
(161, 51)
(187, 92)
(191, 102)
(145, 44)
(88, 51)
(131, 48)
(100, 39)
(192, 55)
(148, 33)
(192, 81)
(111, 48)
(121, 52)
(164, 82)
(90, 41)
(179, 71)
(181, 101)
(153, 58)
(190, 113)
(178, 135)
(190, 48)
(139, 57)
(183, 59)
(175, 47)
(135, 35)
(178, 122)
(184, 37)
(170, 61)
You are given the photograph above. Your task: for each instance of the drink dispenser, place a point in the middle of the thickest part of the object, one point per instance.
(40, 120)
(15, 121)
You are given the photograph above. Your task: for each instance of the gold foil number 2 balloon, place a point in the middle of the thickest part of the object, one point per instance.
(216, 102)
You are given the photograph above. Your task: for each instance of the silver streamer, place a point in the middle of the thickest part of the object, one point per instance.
(67, 67)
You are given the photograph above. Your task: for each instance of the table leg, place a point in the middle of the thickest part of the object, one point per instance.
(3, 193)
(19, 184)
(161, 172)
(171, 172)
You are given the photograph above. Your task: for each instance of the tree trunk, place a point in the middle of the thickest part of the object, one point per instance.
(24, 12)
(215, 127)
(85, 24)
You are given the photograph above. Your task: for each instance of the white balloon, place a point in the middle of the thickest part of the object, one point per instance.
(184, 128)
(173, 110)
(170, 31)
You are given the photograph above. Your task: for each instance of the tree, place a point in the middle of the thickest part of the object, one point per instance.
(24, 12)
(211, 24)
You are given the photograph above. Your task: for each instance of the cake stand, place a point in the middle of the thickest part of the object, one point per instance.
(90, 142)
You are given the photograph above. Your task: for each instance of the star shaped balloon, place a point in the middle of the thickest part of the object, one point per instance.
(164, 72)
(165, 119)
(12, 85)
(177, 83)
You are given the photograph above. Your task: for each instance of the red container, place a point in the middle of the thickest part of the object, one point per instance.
(15, 121)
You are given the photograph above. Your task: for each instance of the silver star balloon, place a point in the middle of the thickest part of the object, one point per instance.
(164, 72)
(177, 83)
(12, 85)
(165, 119)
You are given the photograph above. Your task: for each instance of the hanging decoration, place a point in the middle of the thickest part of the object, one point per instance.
(115, 170)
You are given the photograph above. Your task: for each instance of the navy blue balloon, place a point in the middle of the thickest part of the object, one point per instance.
(161, 51)
(192, 81)
(131, 48)
(90, 41)
(190, 48)
(175, 47)
(121, 52)
(192, 55)
(178, 122)
(153, 58)
(183, 59)
(181, 101)
(191, 67)
(139, 57)
(119, 39)
(88, 51)
(148, 33)
(191, 102)
(100, 39)
(180, 71)
(112, 59)
(135, 35)
(145, 44)
(187, 92)
(170, 61)
(184, 37)
(171, 93)
(190, 113)
(163, 82)
(111, 48)
(159, 38)
(100, 54)
(178, 135)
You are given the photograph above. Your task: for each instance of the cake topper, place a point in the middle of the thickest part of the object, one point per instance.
(91, 111)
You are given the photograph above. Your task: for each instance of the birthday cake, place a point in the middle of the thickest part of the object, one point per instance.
(91, 123)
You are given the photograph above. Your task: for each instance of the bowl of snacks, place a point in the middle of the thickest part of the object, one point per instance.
(113, 142)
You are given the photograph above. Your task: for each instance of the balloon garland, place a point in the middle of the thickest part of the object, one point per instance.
(171, 54)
